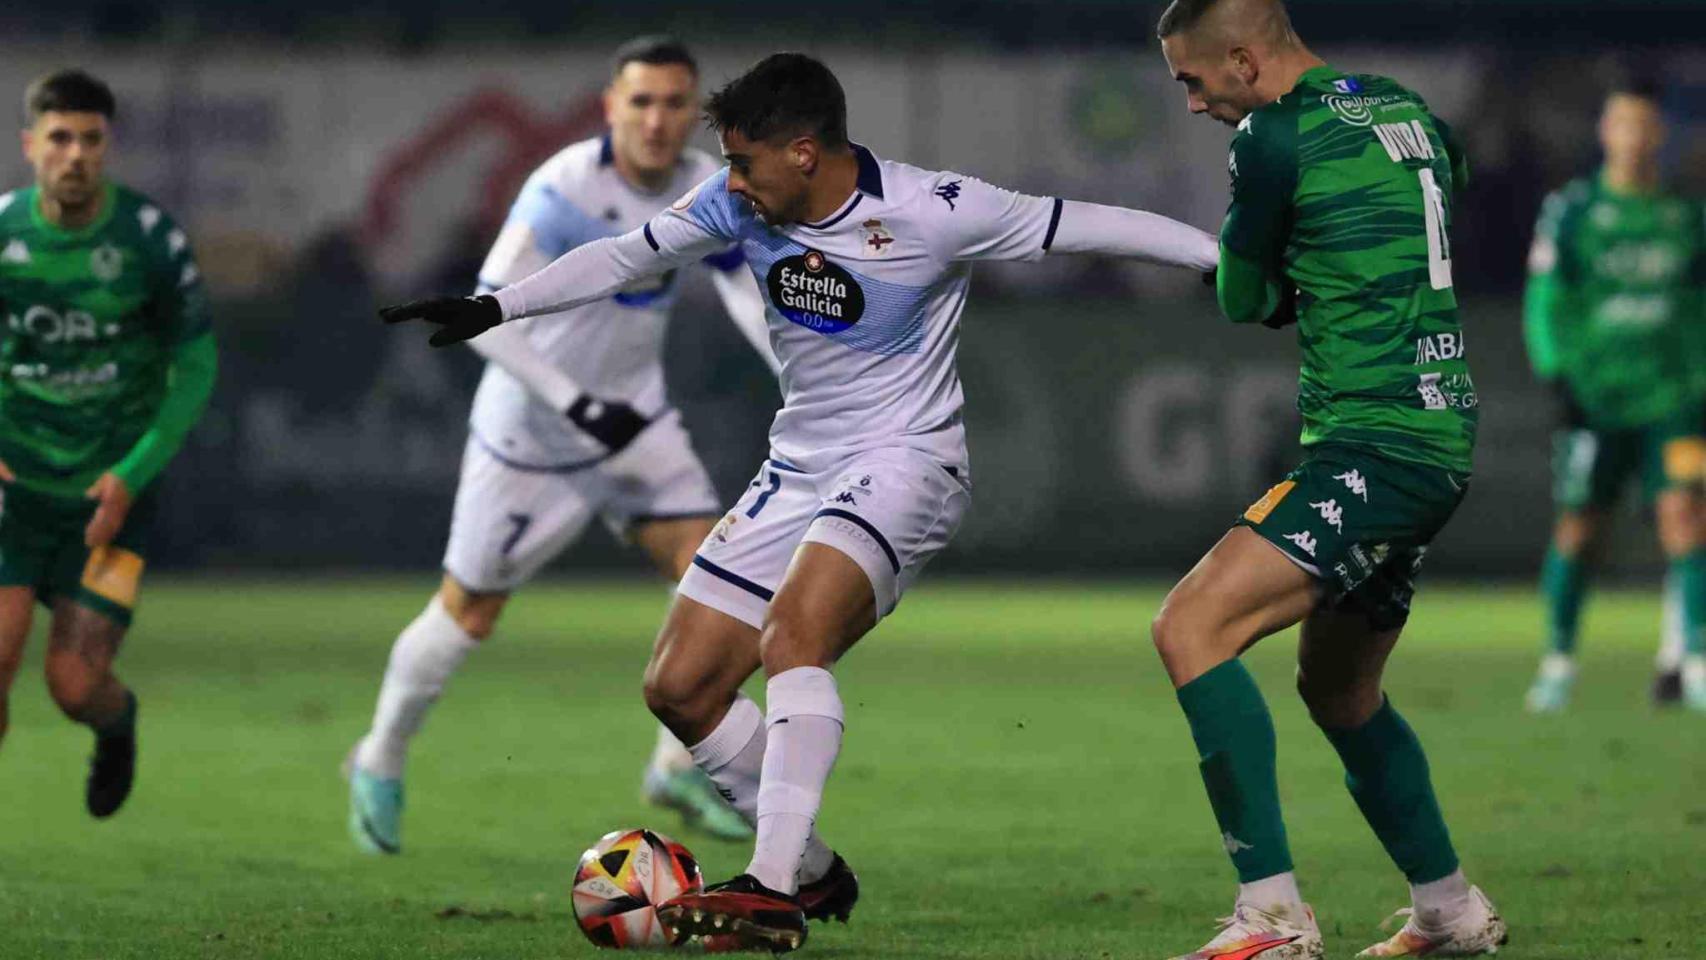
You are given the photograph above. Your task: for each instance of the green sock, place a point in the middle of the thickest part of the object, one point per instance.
(1235, 739)
(1690, 573)
(1387, 774)
(1563, 582)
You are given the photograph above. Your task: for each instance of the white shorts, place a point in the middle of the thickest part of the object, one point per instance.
(890, 510)
(511, 519)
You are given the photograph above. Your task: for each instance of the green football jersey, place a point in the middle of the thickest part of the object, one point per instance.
(92, 318)
(1342, 189)
(1616, 303)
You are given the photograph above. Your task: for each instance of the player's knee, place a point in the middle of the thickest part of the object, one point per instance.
(72, 682)
(1681, 522)
(1175, 628)
(476, 613)
(788, 640)
(1337, 703)
(1575, 533)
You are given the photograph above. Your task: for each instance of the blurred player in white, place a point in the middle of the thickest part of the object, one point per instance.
(867, 265)
(571, 421)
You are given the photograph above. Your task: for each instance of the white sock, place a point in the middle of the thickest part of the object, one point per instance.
(1275, 894)
(804, 722)
(669, 755)
(1438, 902)
(733, 757)
(1674, 639)
(426, 653)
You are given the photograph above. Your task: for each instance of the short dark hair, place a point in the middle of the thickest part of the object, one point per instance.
(1636, 84)
(657, 49)
(68, 91)
(1182, 15)
(1270, 19)
(785, 94)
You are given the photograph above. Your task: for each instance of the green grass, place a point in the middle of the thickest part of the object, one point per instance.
(1017, 782)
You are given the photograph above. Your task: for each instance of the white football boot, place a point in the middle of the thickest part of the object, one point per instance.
(1252, 933)
(1694, 682)
(1475, 931)
(1551, 690)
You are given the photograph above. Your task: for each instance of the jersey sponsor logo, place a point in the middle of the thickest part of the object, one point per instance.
(16, 252)
(106, 262)
(1261, 508)
(949, 192)
(1440, 346)
(51, 326)
(1433, 398)
(1358, 111)
(1332, 513)
(811, 291)
(877, 238)
(1405, 141)
(1304, 540)
(1642, 262)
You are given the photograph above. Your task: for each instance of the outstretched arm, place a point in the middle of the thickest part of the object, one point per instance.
(704, 221)
(1138, 234)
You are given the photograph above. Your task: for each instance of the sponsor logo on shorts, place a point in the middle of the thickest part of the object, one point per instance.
(1354, 483)
(1304, 540)
(1332, 513)
(1261, 508)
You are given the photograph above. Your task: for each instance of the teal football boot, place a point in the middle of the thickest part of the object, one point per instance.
(375, 811)
(692, 794)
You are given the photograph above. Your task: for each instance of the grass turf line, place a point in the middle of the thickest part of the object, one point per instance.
(1017, 782)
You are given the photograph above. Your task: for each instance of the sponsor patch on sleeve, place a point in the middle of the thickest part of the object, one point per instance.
(1261, 508)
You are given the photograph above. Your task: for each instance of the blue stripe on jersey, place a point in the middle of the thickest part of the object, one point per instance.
(730, 259)
(558, 225)
(717, 211)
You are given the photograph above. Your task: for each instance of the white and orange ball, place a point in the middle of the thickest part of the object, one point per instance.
(621, 882)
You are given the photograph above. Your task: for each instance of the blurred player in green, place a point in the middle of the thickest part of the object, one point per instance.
(106, 362)
(1340, 221)
(1615, 317)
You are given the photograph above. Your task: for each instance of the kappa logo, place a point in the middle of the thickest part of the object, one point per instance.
(1234, 845)
(16, 252)
(949, 192)
(1354, 483)
(1332, 513)
(1304, 540)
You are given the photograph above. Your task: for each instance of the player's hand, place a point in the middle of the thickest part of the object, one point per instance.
(114, 499)
(6, 473)
(1285, 314)
(613, 424)
(458, 318)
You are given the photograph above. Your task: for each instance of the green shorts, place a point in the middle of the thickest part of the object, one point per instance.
(41, 547)
(1591, 467)
(1361, 524)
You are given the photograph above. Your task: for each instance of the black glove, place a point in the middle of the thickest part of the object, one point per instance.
(613, 424)
(1566, 411)
(1285, 314)
(458, 318)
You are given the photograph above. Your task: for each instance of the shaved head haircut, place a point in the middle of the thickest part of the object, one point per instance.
(1238, 21)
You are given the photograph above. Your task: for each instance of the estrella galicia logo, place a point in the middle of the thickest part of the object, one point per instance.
(949, 192)
(816, 294)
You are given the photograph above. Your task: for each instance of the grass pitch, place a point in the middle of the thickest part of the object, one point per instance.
(1017, 782)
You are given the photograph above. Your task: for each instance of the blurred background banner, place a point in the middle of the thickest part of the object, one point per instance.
(327, 161)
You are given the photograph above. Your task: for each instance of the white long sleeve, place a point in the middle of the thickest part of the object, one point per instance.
(745, 305)
(1138, 234)
(508, 348)
(589, 272)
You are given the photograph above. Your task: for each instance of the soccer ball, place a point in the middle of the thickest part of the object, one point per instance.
(621, 881)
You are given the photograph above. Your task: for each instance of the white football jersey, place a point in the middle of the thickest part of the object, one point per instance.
(612, 347)
(864, 306)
